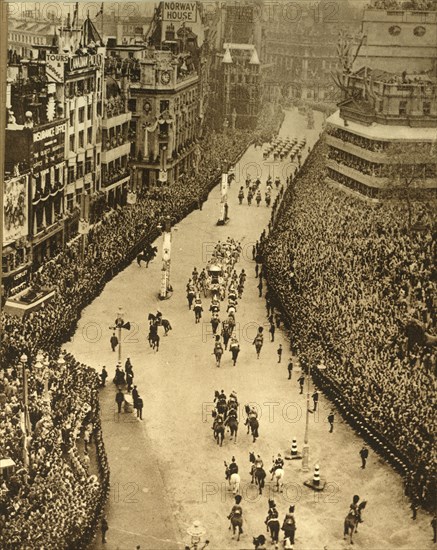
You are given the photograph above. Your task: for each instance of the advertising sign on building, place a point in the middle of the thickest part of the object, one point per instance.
(179, 12)
(85, 61)
(48, 146)
(18, 282)
(15, 218)
(55, 64)
(49, 132)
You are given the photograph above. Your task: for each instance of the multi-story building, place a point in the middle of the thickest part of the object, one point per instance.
(55, 107)
(239, 85)
(27, 31)
(35, 138)
(83, 77)
(116, 142)
(399, 36)
(239, 23)
(300, 65)
(382, 140)
(165, 104)
(300, 50)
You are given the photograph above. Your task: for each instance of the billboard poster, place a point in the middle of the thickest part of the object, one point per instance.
(15, 215)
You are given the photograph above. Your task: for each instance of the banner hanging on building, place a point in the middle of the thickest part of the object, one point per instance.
(15, 219)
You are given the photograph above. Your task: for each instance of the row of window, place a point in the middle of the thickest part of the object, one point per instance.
(82, 87)
(81, 114)
(246, 79)
(26, 38)
(81, 168)
(77, 195)
(188, 98)
(39, 184)
(395, 30)
(81, 143)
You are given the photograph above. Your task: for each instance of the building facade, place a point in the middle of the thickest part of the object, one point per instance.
(83, 103)
(382, 139)
(116, 142)
(55, 101)
(239, 85)
(300, 50)
(26, 32)
(165, 105)
(398, 39)
(35, 147)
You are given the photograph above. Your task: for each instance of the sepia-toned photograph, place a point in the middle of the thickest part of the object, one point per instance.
(219, 281)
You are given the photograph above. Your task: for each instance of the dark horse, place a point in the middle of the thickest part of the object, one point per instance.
(258, 474)
(251, 423)
(352, 520)
(232, 424)
(219, 431)
(273, 526)
(147, 255)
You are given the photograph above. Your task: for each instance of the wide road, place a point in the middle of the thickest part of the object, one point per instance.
(171, 459)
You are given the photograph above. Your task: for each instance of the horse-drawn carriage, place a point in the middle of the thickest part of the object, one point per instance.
(214, 283)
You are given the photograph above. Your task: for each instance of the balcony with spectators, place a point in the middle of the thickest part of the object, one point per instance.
(30, 92)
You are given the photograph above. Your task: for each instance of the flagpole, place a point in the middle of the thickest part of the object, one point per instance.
(101, 26)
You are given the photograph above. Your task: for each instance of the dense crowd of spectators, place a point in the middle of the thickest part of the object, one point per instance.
(407, 5)
(358, 286)
(359, 141)
(363, 166)
(57, 493)
(355, 185)
(377, 169)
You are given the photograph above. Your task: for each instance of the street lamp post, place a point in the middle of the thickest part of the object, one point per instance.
(84, 222)
(46, 375)
(38, 366)
(196, 532)
(119, 324)
(61, 363)
(306, 448)
(23, 363)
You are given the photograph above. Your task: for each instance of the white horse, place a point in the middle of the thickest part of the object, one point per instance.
(234, 482)
(278, 476)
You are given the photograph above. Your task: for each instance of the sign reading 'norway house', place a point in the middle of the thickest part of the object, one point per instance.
(180, 11)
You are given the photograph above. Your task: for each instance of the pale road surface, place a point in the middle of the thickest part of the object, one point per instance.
(167, 470)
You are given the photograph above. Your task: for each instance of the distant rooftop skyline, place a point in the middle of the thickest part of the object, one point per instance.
(45, 10)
